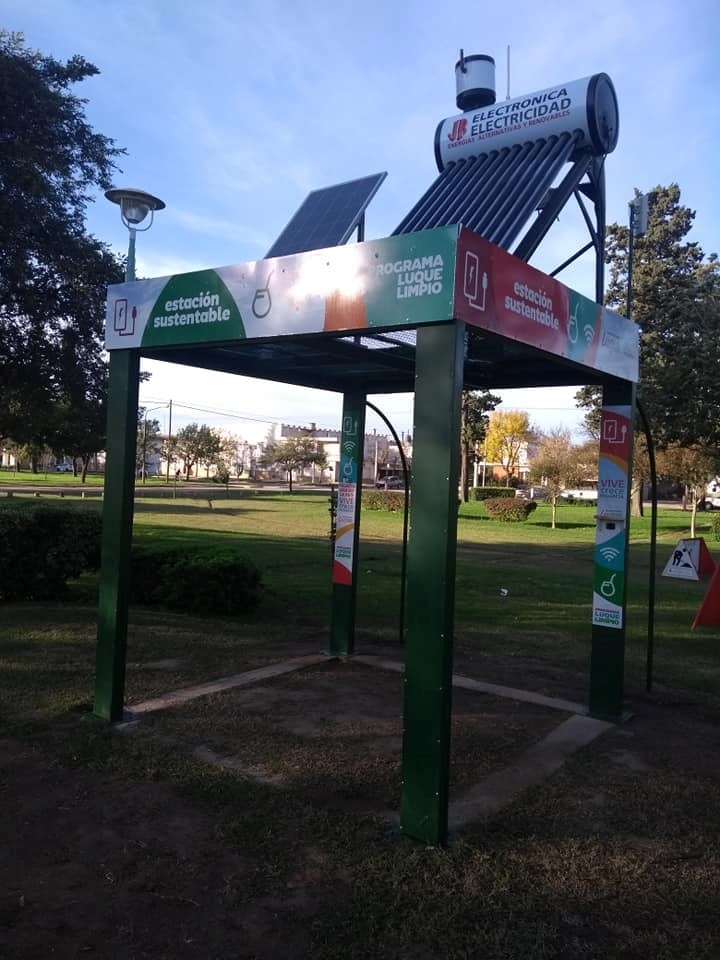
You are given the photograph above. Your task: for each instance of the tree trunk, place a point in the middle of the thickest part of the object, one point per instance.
(554, 513)
(464, 481)
(636, 506)
(289, 473)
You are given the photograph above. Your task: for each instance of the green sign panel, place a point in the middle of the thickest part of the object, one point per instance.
(398, 281)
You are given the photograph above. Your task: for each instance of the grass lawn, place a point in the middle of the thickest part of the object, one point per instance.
(258, 822)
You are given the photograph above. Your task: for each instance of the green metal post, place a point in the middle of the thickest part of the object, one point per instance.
(431, 583)
(607, 659)
(347, 532)
(116, 534)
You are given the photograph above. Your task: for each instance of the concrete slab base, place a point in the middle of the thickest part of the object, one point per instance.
(480, 686)
(176, 697)
(538, 762)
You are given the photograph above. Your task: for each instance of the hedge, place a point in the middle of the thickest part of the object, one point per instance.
(393, 500)
(43, 546)
(485, 493)
(715, 526)
(509, 509)
(217, 583)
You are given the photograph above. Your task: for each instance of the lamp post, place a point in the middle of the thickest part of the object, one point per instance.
(134, 205)
(144, 445)
(637, 227)
(118, 499)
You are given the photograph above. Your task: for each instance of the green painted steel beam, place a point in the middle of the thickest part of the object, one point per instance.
(345, 560)
(116, 534)
(607, 657)
(431, 583)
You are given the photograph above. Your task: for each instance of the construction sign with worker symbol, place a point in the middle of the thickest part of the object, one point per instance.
(689, 560)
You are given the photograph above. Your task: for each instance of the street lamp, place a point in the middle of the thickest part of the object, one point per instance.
(162, 406)
(134, 205)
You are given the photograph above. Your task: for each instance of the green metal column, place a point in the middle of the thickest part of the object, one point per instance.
(607, 659)
(431, 583)
(347, 533)
(116, 534)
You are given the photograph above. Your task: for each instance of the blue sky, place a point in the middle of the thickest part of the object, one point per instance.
(233, 111)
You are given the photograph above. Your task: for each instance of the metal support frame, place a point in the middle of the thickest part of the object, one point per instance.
(594, 190)
(117, 523)
(431, 583)
(556, 200)
(406, 512)
(352, 458)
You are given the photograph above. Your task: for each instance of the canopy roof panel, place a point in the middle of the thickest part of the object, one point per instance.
(346, 317)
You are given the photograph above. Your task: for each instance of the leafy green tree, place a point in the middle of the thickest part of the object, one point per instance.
(474, 419)
(292, 454)
(557, 464)
(693, 467)
(53, 275)
(195, 444)
(147, 442)
(509, 431)
(676, 303)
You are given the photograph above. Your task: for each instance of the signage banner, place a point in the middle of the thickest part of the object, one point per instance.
(613, 498)
(502, 294)
(346, 518)
(398, 281)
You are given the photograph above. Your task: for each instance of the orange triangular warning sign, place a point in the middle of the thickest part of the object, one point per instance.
(709, 613)
(707, 564)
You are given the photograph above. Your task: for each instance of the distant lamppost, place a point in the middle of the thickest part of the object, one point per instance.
(134, 205)
(637, 227)
(144, 444)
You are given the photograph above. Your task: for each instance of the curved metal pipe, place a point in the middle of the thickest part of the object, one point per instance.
(406, 479)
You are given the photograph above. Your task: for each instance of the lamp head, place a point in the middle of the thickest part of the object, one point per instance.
(134, 205)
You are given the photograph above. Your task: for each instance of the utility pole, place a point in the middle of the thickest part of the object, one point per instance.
(169, 442)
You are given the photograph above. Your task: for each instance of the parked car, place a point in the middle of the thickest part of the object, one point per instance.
(390, 483)
(63, 468)
(531, 493)
(583, 494)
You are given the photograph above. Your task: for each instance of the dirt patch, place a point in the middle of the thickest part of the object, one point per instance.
(333, 732)
(252, 824)
(93, 866)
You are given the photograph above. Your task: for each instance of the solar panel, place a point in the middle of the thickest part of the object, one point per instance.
(495, 193)
(327, 217)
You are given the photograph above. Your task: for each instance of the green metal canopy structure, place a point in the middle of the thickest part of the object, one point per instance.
(434, 312)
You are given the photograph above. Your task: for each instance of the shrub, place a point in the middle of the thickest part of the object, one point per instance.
(222, 474)
(485, 493)
(393, 500)
(715, 526)
(509, 509)
(44, 546)
(195, 583)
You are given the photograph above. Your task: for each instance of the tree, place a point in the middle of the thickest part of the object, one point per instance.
(676, 303)
(148, 441)
(557, 464)
(196, 444)
(475, 408)
(508, 433)
(53, 276)
(691, 466)
(292, 454)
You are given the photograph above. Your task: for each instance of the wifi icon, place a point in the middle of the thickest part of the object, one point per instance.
(589, 332)
(609, 553)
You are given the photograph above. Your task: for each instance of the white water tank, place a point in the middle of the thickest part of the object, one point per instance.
(474, 81)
